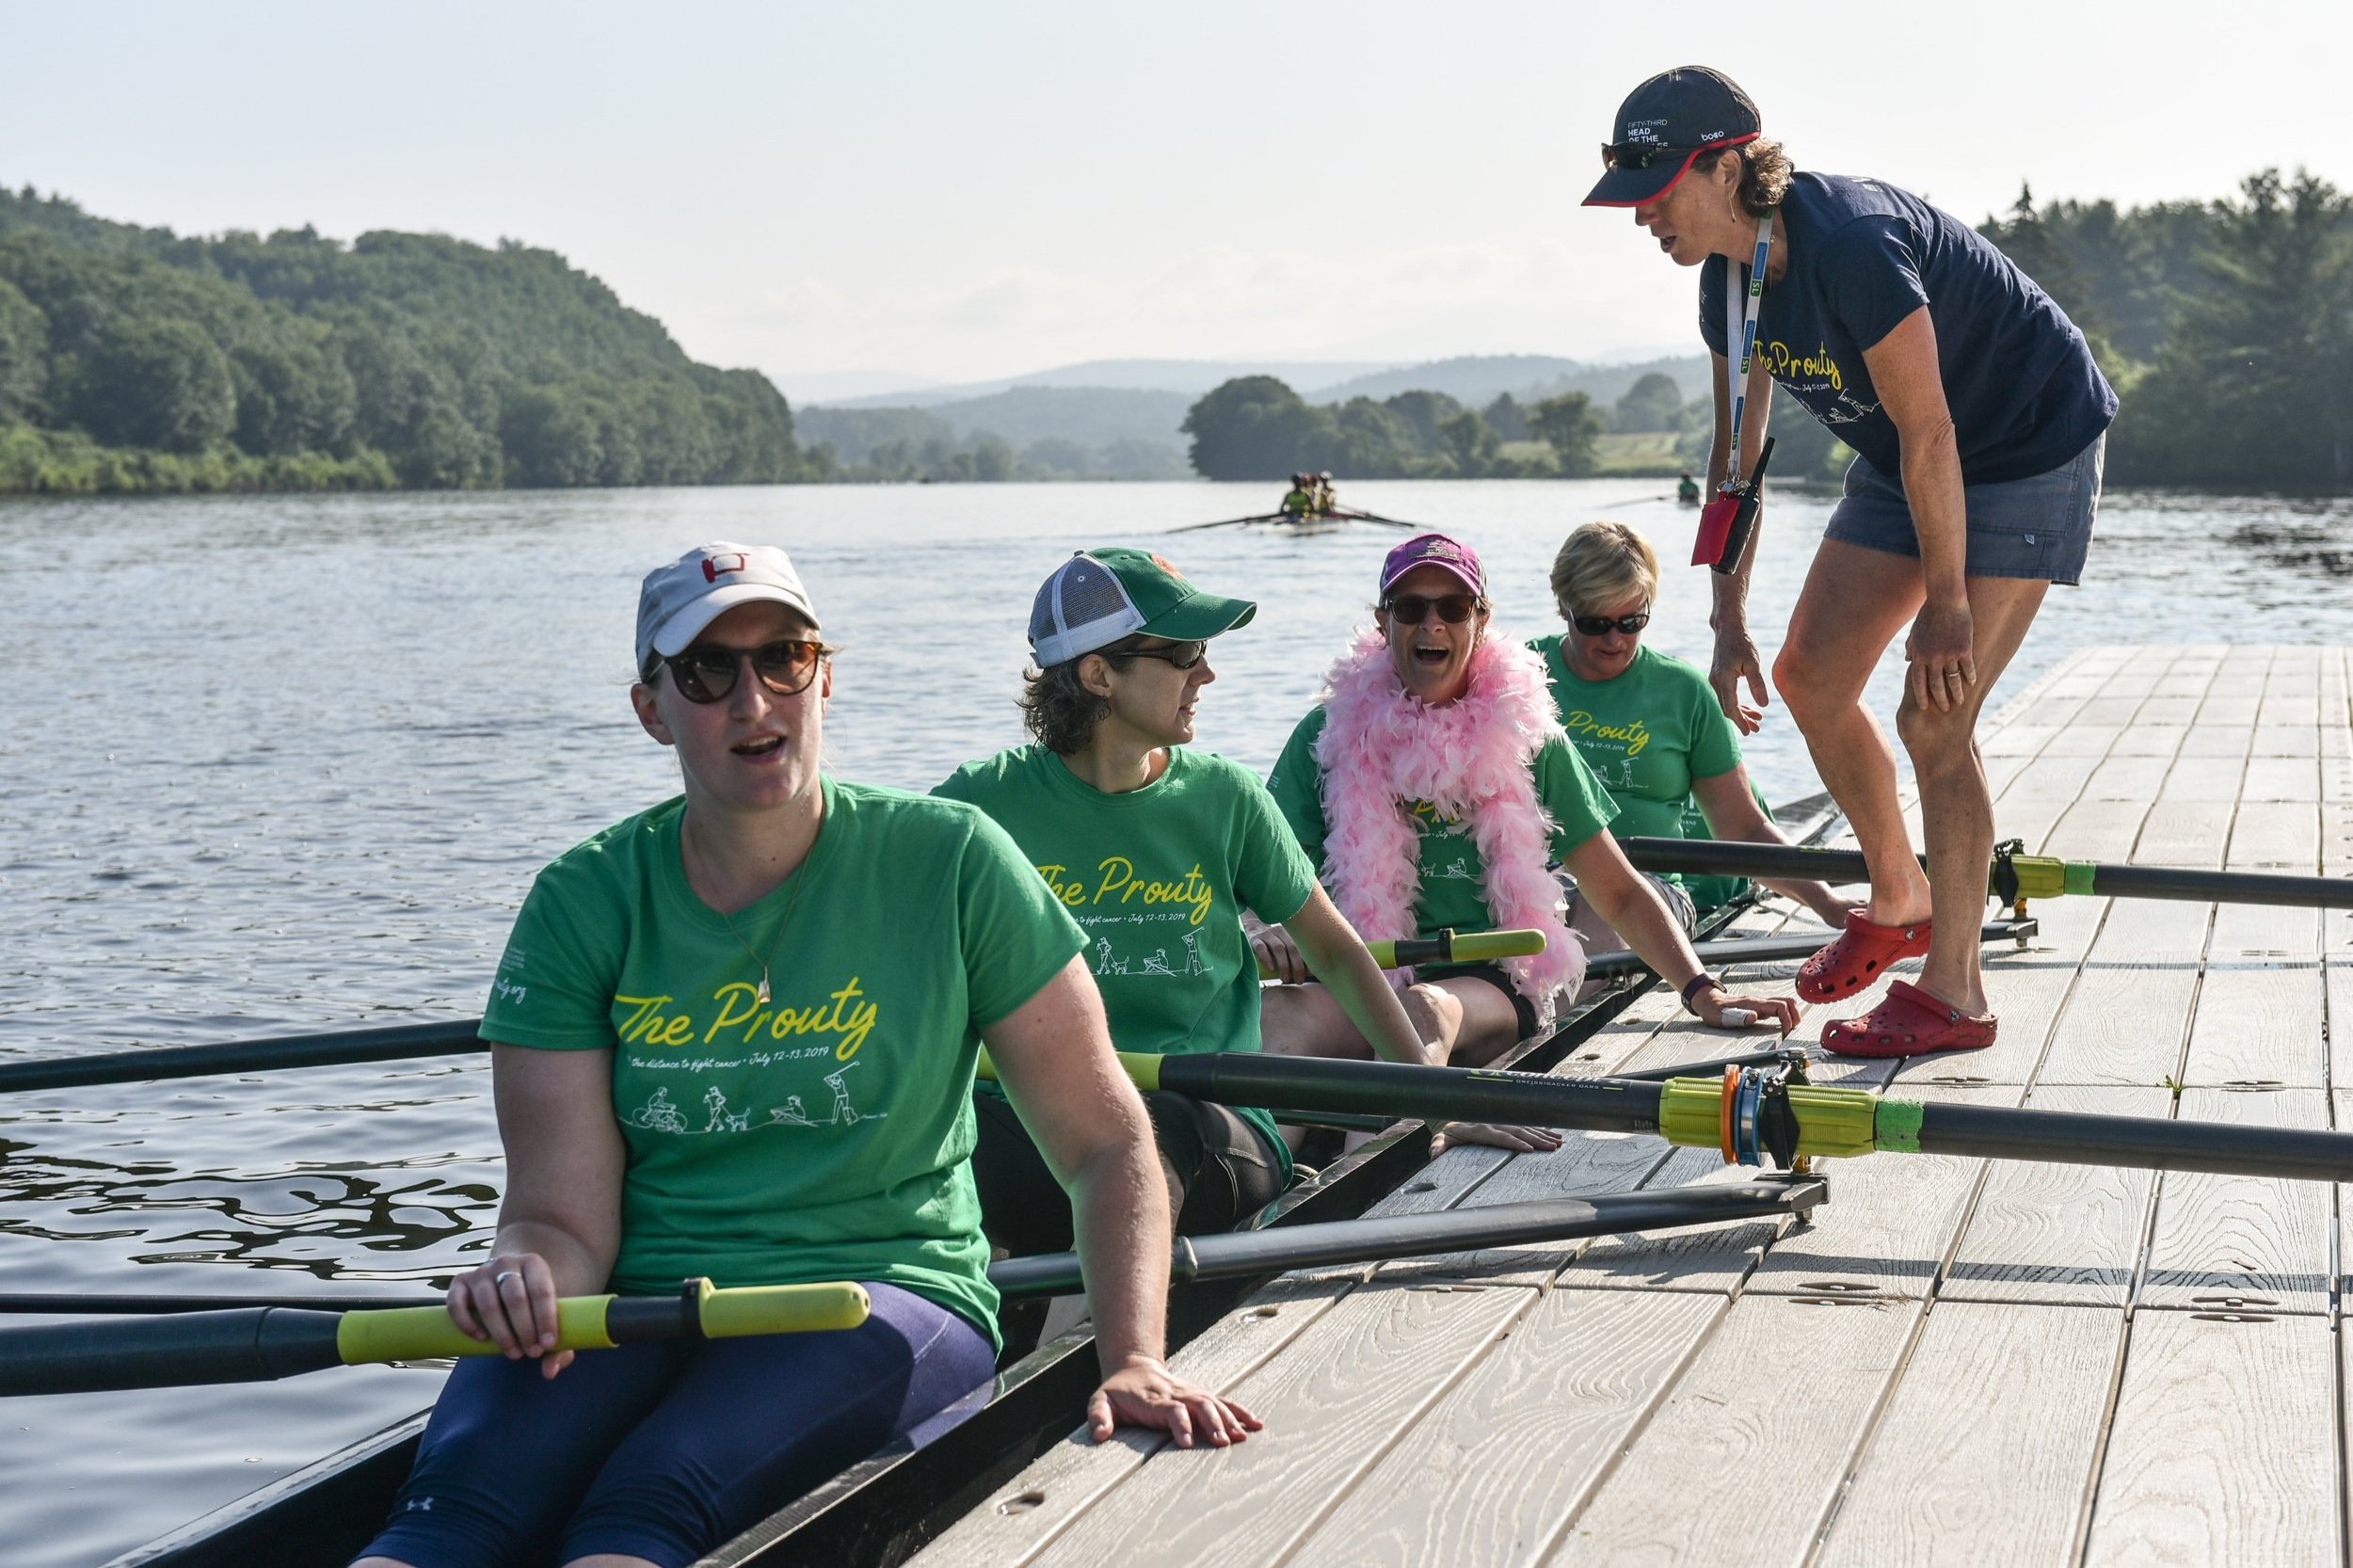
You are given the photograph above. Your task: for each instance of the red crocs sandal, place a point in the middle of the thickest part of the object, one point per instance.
(1857, 955)
(1909, 1023)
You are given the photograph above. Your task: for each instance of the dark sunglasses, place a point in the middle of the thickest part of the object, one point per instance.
(1593, 625)
(707, 672)
(1639, 154)
(1182, 655)
(1413, 609)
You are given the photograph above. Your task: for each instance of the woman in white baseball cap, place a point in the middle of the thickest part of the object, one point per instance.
(734, 1035)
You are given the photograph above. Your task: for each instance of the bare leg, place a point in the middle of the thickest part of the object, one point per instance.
(1855, 603)
(1956, 807)
(1469, 1020)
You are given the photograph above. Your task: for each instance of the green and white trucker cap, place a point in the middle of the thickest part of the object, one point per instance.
(1100, 596)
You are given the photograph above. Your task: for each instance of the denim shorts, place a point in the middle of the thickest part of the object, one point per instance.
(2035, 527)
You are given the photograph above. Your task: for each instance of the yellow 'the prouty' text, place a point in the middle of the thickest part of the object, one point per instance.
(844, 1014)
(1117, 882)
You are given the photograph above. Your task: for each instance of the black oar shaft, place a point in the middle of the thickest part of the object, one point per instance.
(1769, 949)
(249, 1344)
(1719, 857)
(334, 1048)
(1434, 1094)
(2147, 1142)
(1345, 1241)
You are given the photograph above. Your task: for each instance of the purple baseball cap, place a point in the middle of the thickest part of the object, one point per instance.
(1442, 550)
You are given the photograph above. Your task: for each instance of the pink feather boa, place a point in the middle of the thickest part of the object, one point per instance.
(1473, 757)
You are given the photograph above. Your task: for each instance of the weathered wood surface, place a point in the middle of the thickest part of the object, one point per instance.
(1959, 1361)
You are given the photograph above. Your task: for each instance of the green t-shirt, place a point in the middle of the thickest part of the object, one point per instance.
(1453, 876)
(1646, 735)
(1157, 879)
(826, 1135)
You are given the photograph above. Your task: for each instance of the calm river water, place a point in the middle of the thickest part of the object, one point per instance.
(271, 764)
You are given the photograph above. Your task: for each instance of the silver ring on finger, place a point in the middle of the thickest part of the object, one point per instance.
(502, 1276)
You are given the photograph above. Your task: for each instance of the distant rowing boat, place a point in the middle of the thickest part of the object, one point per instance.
(1330, 516)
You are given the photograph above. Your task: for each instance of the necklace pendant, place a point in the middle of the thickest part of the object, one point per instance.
(763, 987)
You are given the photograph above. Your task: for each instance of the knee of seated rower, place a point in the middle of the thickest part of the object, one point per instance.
(1436, 1015)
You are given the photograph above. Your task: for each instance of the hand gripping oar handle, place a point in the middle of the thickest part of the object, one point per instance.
(2035, 876)
(1448, 945)
(260, 1344)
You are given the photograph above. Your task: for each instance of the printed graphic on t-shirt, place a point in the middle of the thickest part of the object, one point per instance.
(1608, 750)
(1127, 914)
(1813, 378)
(658, 1035)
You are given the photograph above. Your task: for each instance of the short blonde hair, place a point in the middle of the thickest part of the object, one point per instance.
(1600, 564)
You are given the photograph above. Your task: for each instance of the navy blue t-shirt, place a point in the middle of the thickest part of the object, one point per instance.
(2019, 380)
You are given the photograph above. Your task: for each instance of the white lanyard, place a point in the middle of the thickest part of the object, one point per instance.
(1741, 325)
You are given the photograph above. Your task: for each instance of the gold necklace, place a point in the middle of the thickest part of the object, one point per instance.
(764, 995)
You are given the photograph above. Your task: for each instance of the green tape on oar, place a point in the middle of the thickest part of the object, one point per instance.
(1898, 1125)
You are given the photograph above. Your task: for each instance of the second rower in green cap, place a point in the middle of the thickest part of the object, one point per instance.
(1156, 848)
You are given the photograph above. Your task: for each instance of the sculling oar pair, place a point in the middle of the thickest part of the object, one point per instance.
(458, 1037)
(188, 1342)
(1754, 1114)
(2013, 875)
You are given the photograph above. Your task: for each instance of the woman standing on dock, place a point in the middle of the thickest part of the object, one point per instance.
(1433, 786)
(1977, 416)
(693, 1081)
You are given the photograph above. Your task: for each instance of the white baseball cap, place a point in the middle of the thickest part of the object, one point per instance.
(678, 600)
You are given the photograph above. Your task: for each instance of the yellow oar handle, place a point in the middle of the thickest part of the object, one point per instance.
(591, 1324)
(1142, 1067)
(1450, 947)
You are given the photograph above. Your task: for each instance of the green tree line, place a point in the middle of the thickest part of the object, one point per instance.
(2226, 328)
(135, 358)
(1257, 428)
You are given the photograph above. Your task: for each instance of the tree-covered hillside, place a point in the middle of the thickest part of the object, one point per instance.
(135, 358)
(2227, 327)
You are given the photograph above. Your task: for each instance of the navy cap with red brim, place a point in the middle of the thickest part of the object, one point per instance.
(1620, 186)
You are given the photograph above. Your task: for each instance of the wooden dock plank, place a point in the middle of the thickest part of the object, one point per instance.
(2129, 1014)
(1742, 1461)
(1712, 1258)
(1889, 1227)
(1586, 1164)
(1987, 1444)
(2242, 1242)
(1024, 1514)
(1362, 1373)
(2061, 1235)
(1492, 1473)
(2222, 1450)
(2259, 1024)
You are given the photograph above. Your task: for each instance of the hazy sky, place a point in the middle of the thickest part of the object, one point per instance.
(959, 191)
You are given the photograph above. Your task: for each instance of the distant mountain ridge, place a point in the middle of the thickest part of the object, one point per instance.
(1190, 376)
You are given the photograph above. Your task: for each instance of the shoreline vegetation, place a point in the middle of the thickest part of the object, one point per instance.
(135, 360)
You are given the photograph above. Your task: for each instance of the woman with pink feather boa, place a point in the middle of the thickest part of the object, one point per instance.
(1435, 787)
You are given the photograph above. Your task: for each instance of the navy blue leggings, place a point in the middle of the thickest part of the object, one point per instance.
(665, 1449)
